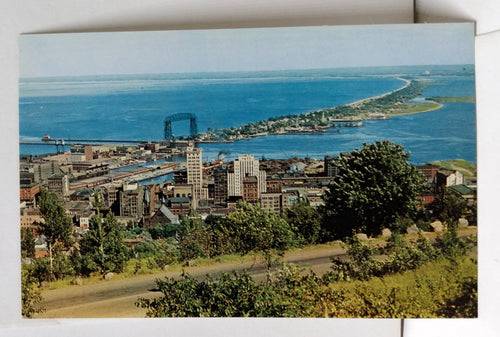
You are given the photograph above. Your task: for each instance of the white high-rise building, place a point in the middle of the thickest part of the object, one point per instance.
(195, 172)
(245, 166)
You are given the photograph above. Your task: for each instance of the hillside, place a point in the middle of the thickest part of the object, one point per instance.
(468, 169)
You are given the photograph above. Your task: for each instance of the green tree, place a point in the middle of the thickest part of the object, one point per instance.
(31, 295)
(101, 248)
(57, 226)
(261, 231)
(27, 243)
(306, 221)
(447, 206)
(373, 187)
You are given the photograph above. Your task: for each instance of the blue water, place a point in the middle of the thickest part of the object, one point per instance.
(157, 180)
(134, 108)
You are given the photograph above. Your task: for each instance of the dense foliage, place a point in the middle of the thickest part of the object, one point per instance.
(306, 221)
(30, 294)
(57, 226)
(373, 187)
(27, 243)
(448, 207)
(101, 249)
(369, 292)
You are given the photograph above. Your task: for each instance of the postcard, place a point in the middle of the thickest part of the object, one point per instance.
(323, 171)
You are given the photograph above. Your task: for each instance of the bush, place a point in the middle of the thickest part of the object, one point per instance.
(191, 250)
(439, 289)
(30, 294)
(450, 245)
(145, 249)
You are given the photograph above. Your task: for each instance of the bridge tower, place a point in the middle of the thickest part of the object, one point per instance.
(193, 127)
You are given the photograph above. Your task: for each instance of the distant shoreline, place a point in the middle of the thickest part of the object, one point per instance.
(365, 100)
(382, 106)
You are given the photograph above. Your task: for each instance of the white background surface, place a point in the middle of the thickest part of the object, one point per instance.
(30, 16)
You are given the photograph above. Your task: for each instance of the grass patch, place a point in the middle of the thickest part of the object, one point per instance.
(437, 289)
(452, 99)
(407, 109)
(468, 169)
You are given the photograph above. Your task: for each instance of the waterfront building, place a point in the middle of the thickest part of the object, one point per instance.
(329, 169)
(195, 172)
(153, 147)
(89, 154)
(77, 154)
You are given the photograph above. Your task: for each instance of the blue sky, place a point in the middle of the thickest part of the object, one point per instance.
(244, 49)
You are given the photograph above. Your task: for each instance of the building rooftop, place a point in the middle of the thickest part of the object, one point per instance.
(179, 200)
(167, 213)
(462, 190)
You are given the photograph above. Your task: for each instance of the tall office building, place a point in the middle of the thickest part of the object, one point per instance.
(220, 184)
(245, 166)
(195, 172)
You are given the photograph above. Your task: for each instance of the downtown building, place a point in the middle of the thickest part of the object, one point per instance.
(244, 167)
(195, 173)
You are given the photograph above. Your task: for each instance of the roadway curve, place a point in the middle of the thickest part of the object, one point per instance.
(116, 298)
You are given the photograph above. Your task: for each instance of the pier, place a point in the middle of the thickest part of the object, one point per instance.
(63, 142)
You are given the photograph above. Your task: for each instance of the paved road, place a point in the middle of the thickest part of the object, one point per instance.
(116, 298)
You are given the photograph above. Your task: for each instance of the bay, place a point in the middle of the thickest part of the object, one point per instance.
(135, 107)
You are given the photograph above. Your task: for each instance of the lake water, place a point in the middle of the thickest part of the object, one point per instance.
(135, 107)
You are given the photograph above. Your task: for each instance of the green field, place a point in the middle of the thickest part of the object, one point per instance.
(452, 99)
(414, 108)
(468, 169)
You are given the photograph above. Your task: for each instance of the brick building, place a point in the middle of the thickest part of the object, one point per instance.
(271, 202)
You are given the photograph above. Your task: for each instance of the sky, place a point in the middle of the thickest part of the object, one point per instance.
(246, 49)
